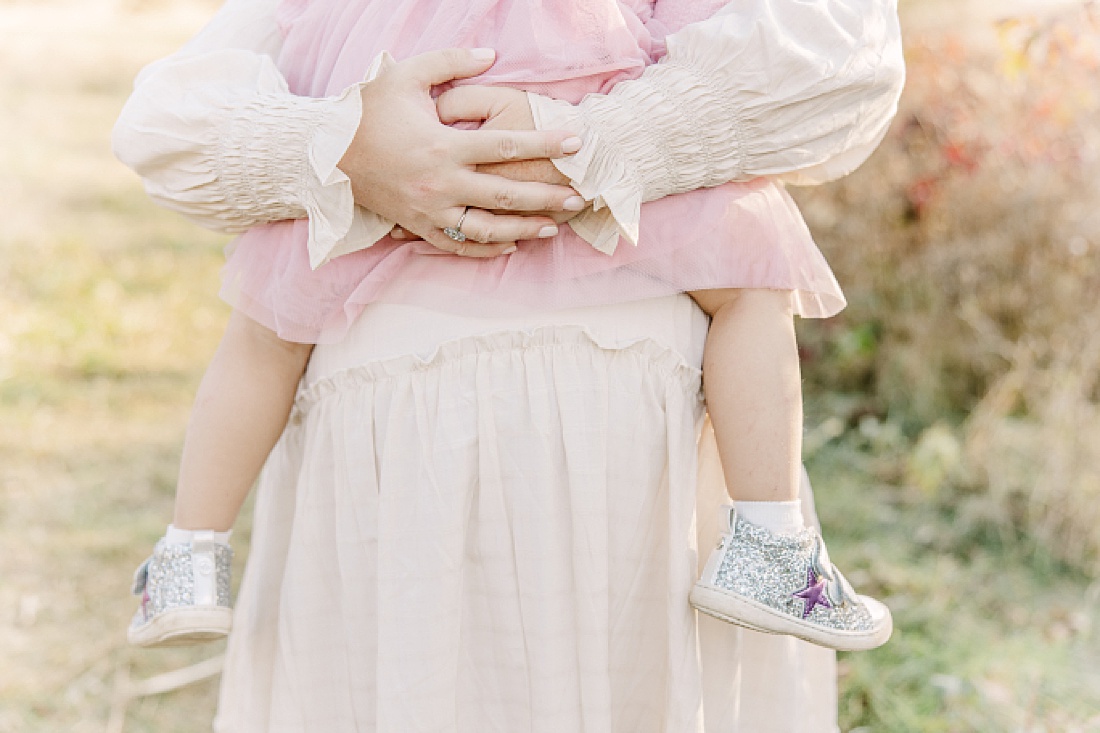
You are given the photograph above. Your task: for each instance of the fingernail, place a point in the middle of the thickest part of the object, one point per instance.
(399, 234)
(547, 232)
(571, 145)
(484, 54)
(510, 250)
(573, 203)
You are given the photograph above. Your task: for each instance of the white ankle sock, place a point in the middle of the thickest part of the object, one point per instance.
(781, 517)
(175, 536)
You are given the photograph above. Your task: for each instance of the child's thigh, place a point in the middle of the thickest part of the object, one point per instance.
(760, 302)
(711, 301)
(245, 337)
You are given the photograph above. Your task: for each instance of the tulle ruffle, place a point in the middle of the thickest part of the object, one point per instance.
(747, 235)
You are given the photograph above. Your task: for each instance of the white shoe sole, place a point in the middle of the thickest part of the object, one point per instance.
(759, 617)
(183, 627)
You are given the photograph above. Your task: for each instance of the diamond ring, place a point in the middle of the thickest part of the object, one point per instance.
(455, 232)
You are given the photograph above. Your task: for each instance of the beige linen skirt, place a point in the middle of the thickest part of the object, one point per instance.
(491, 525)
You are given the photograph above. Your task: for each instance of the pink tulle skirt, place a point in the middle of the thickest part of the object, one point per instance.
(686, 243)
(740, 235)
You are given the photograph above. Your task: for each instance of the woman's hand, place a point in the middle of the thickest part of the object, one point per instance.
(501, 108)
(408, 167)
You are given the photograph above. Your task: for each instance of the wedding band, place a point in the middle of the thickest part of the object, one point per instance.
(455, 232)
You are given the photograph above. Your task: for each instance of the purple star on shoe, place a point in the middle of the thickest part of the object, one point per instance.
(813, 594)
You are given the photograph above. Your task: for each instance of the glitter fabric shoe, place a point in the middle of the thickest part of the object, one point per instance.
(184, 593)
(785, 584)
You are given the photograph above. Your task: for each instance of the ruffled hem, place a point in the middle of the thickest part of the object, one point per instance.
(662, 360)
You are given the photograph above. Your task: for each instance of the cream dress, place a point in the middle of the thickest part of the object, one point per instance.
(475, 525)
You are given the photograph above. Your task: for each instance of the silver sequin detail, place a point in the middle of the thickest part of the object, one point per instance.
(770, 568)
(169, 581)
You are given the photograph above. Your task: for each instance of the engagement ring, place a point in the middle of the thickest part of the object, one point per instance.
(455, 232)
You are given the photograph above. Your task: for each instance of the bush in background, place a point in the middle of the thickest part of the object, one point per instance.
(969, 247)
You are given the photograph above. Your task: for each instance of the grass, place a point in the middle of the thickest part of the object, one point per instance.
(992, 634)
(108, 317)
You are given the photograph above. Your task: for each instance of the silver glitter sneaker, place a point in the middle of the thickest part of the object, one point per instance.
(184, 593)
(784, 584)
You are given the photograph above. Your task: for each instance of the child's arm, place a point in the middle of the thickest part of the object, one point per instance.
(799, 90)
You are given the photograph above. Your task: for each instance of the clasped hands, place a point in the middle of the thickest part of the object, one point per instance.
(408, 166)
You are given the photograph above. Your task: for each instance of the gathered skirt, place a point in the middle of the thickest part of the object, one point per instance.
(483, 525)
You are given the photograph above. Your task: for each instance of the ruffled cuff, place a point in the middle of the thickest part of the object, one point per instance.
(221, 139)
(265, 167)
(598, 171)
(336, 225)
(264, 154)
(634, 149)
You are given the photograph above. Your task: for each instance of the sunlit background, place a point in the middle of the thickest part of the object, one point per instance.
(953, 410)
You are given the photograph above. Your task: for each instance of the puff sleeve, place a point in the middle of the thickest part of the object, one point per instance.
(802, 90)
(215, 134)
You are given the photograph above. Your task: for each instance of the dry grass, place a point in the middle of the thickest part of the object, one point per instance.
(107, 318)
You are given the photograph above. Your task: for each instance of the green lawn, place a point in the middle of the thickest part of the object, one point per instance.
(991, 635)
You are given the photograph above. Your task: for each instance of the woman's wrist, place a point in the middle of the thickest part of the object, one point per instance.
(635, 149)
(231, 154)
(606, 171)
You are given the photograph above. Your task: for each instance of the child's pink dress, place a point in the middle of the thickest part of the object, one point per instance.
(739, 235)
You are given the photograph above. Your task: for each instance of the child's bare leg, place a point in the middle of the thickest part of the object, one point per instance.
(241, 409)
(754, 391)
(769, 572)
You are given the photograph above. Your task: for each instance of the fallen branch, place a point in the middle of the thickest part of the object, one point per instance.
(177, 678)
(126, 689)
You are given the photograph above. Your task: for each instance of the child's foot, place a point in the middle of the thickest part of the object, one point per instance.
(785, 584)
(184, 591)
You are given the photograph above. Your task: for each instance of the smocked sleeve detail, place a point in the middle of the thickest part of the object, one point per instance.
(215, 134)
(800, 91)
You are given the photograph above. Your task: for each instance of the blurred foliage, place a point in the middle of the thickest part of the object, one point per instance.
(953, 426)
(969, 247)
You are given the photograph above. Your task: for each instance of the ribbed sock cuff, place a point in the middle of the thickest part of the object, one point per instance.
(175, 536)
(781, 517)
